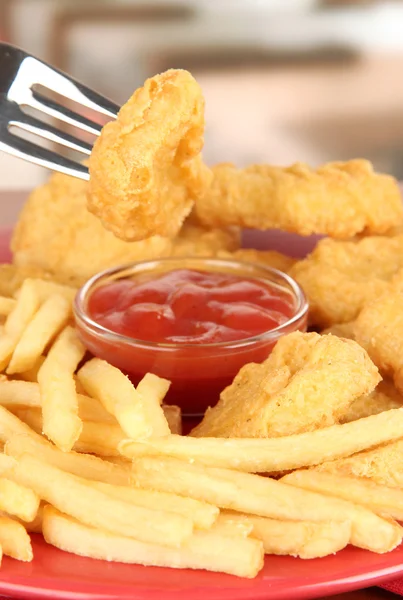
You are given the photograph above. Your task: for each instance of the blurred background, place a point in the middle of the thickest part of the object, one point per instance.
(284, 80)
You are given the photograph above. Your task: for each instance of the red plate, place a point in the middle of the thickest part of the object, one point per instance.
(58, 575)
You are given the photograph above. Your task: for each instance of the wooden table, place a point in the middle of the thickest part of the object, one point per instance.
(10, 205)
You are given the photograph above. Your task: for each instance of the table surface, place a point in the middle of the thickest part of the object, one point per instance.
(10, 205)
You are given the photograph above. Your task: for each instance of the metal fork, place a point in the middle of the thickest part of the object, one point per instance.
(20, 74)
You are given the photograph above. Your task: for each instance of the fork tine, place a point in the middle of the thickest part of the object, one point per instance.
(64, 114)
(41, 156)
(48, 132)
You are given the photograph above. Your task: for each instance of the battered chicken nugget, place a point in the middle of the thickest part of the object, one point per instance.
(379, 329)
(145, 168)
(338, 199)
(344, 330)
(383, 465)
(384, 397)
(307, 383)
(196, 240)
(267, 258)
(339, 278)
(55, 232)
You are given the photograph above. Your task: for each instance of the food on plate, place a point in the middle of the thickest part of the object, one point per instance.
(57, 387)
(340, 277)
(264, 497)
(68, 242)
(203, 550)
(378, 498)
(343, 330)
(338, 199)
(18, 500)
(6, 306)
(13, 276)
(298, 388)
(14, 540)
(271, 455)
(384, 397)
(379, 329)
(145, 168)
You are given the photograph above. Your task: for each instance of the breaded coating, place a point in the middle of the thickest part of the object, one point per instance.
(266, 258)
(343, 330)
(145, 168)
(55, 232)
(379, 329)
(307, 383)
(339, 278)
(196, 240)
(384, 397)
(338, 199)
(383, 465)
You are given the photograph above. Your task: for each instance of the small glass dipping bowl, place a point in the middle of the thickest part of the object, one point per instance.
(198, 372)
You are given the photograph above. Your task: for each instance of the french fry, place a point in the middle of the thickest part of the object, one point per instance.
(275, 454)
(6, 305)
(202, 514)
(14, 540)
(95, 438)
(305, 539)
(137, 417)
(34, 526)
(82, 465)
(61, 422)
(25, 308)
(18, 500)
(203, 550)
(17, 394)
(173, 415)
(264, 497)
(153, 390)
(51, 317)
(72, 495)
(233, 524)
(45, 289)
(32, 374)
(11, 425)
(378, 498)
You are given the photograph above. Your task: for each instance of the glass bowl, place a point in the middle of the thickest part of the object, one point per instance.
(198, 372)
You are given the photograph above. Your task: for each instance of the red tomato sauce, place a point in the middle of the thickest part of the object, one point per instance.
(196, 328)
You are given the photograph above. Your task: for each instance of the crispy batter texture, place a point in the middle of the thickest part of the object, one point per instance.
(55, 232)
(383, 465)
(145, 168)
(338, 199)
(196, 240)
(266, 258)
(384, 397)
(379, 329)
(343, 330)
(339, 278)
(307, 383)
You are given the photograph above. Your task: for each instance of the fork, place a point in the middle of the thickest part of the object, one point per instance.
(20, 76)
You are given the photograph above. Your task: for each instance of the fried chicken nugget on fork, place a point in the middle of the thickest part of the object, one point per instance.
(145, 168)
(338, 199)
(339, 278)
(307, 383)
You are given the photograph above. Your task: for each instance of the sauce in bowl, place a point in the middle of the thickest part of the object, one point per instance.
(195, 321)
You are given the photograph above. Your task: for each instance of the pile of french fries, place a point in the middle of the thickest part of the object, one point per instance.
(99, 467)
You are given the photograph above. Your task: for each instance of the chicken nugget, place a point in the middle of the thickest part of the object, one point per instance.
(196, 240)
(338, 199)
(384, 397)
(55, 232)
(307, 383)
(145, 168)
(266, 258)
(379, 329)
(343, 330)
(339, 278)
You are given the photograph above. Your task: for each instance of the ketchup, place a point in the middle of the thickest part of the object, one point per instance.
(195, 328)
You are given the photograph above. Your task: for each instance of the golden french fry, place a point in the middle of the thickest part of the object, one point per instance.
(153, 390)
(73, 496)
(25, 308)
(82, 465)
(51, 317)
(18, 500)
(202, 514)
(137, 417)
(10, 425)
(32, 374)
(275, 454)
(233, 524)
(305, 539)
(61, 422)
(6, 305)
(264, 497)
(173, 415)
(95, 438)
(203, 550)
(14, 540)
(17, 394)
(378, 498)
(45, 289)
(34, 526)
